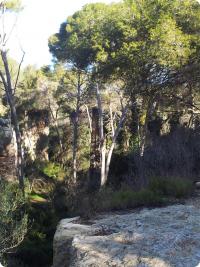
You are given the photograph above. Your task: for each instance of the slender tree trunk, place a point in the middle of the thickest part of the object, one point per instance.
(150, 110)
(20, 158)
(94, 171)
(114, 139)
(11, 101)
(102, 138)
(191, 123)
(56, 127)
(75, 129)
(106, 158)
(74, 156)
(89, 118)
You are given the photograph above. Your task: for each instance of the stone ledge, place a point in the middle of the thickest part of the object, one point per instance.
(163, 237)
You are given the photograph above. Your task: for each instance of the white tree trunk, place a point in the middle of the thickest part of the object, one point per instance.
(10, 91)
(114, 139)
(106, 158)
(102, 138)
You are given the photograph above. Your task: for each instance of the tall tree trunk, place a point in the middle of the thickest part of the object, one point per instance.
(150, 109)
(56, 127)
(74, 153)
(134, 124)
(191, 123)
(11, 101)
(106, 158)
(75, 129)
(114, 139)
(94, 171)
(102, 138)
(20, 158)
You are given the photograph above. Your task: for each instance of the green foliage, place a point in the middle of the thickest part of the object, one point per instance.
(53, 170)
(36, 198)
(13, 219)
(13, 5)
(130, 199)
(137, 34)
(159, 192)
(37, 249)
(171, 46)
(126, 199)
(171, 187)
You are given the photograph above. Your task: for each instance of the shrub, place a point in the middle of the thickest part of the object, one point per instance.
(132, 199)
(53, 170)
(13, 219)
(37, 248)
(107, 199)
(159, 192)
(171, 187)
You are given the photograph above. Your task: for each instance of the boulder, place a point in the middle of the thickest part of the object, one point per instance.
(163, 237)
(6, 136)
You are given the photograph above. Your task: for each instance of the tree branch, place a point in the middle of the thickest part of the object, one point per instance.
(18, 72)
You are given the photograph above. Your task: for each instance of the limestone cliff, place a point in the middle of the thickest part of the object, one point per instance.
(35, 137)
(161, 237)
(7, 150)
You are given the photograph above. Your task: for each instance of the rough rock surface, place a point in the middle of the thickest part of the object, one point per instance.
(160, 237)
(7, 150)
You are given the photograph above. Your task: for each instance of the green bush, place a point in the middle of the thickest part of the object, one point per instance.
(13, 218)
(171, 187)
(37, 248)
(53, 170)
(107, 199)
(159, 192)
(146, 197)
(132, 199)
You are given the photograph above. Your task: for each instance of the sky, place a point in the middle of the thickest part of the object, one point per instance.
(35, 24)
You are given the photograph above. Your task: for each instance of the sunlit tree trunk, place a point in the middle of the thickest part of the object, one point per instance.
(10, 91)
(149, 111)
(114, 139)
(94, 171)
(102, 138)
(106, 155)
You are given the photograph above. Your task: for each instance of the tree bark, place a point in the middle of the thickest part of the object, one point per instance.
(149, 112)
(94, 171)
(11, 101)
(106, 157)
(114, 139)
(102, 138)
(56, 127)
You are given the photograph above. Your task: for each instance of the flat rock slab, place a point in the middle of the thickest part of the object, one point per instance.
(161, 237)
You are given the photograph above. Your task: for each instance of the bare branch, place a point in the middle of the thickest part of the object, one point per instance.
(18, 72)
(3, 80)
(89, 118)
(11, 31)
(8, 76)
(111, 120)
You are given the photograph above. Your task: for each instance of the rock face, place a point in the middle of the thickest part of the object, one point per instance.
(7, 150)
(36, 134)
(161, 237)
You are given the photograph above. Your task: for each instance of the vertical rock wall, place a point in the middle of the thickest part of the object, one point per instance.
(36, 134)
(7, 151)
